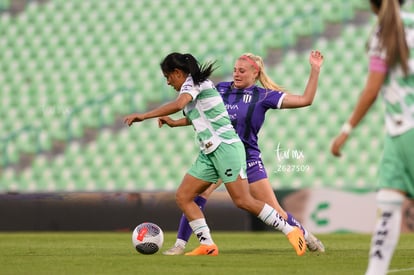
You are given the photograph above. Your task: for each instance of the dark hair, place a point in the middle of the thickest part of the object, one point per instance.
(378, 3)
(188, 64)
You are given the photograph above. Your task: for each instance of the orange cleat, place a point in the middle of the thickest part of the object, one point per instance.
(210, 250)
(297, 240)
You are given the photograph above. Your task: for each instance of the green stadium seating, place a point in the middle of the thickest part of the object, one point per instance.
(85, 64)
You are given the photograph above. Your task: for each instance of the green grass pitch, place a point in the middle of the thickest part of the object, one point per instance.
(240, 253)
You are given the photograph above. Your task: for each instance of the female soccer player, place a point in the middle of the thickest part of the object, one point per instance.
(391, 68)
(247, 104)
(221, 154)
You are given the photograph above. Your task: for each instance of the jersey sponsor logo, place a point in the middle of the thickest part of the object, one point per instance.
(231, 106)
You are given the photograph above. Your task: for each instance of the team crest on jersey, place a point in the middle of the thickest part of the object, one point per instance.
(186, 87)
(247, 97)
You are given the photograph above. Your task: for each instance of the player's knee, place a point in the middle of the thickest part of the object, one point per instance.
(180, 198)
(241, 203)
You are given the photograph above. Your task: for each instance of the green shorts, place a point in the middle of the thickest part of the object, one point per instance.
(227, 162)
(397, 164)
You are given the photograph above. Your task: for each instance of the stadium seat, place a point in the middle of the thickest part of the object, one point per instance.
(80, 64)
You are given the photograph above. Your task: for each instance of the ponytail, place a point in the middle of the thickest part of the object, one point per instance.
(391, 33)
(188, 64)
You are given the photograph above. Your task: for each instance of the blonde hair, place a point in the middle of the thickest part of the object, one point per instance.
(263, 78)
(392, 34)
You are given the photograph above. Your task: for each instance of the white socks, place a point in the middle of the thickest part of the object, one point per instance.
(387, 231)
(180, 243)
(271, 217)
(268, 215)
(202, 231)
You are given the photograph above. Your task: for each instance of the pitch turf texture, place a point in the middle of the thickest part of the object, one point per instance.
(240, 253)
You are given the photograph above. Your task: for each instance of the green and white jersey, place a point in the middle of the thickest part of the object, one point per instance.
(398, 91)
(208, 115)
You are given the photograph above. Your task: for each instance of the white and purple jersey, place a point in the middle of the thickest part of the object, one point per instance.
(247, 109)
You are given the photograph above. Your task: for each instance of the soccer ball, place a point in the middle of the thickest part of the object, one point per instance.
(147, 238)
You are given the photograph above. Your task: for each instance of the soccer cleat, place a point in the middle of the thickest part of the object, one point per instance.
(175, 250)
(210, 250)
(314, 244)
(297, 240)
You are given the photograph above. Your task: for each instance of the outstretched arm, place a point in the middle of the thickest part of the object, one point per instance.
(367, 98)
(172, 122)
(164, 110)
(297, 101)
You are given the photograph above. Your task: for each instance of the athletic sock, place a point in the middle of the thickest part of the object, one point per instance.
(202, 231)
(294, 222)
(184, 229)
(387, 231)
(270, 217)
(180, 243)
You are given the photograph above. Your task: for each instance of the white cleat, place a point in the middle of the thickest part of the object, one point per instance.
(314, 244)
(175, 250)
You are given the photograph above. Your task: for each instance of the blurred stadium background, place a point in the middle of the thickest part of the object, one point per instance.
(70, 70)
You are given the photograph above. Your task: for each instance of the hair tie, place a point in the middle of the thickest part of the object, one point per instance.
(251, 61)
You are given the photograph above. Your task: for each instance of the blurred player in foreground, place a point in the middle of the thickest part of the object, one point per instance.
(391, 69)
(221, 156)
(247, 105)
